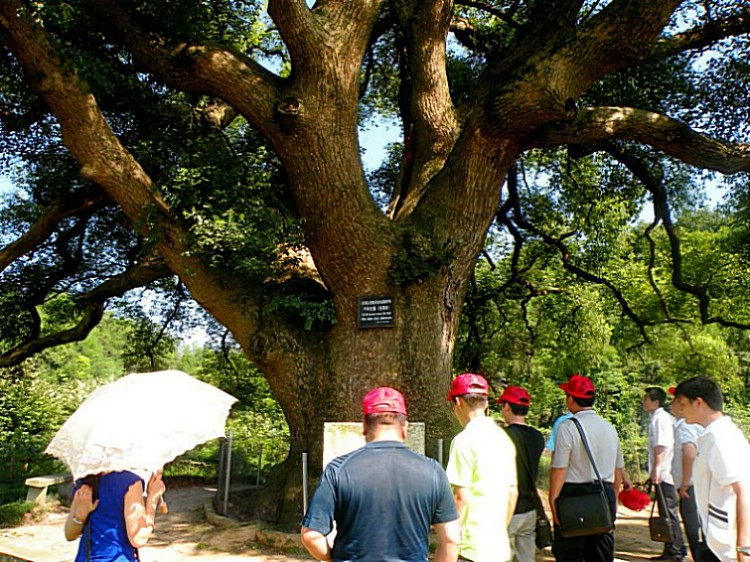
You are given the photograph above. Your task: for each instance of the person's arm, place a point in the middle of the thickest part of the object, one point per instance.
(556, 481)
(139, 515)
(742, 492)
(659, 451)
(689, 452)
(448, 541)
(461, 497)
(80, 510)
(316, 544)
(318, 523)
(512, 500)
(617, 483)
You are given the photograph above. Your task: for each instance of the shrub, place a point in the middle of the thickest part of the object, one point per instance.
(11, 514)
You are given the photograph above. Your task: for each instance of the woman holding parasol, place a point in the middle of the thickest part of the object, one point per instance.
(108, 443)
(109, 510)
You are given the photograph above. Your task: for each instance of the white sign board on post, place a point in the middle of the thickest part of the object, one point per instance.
(340, 438)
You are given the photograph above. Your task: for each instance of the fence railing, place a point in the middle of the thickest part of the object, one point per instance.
(225, 475)
(239, 466)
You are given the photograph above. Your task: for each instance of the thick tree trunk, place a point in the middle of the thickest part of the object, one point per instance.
(413, 356)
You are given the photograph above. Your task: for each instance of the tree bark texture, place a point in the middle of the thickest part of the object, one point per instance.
(421, 253)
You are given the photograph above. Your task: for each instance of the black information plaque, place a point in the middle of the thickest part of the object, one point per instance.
(375, 312)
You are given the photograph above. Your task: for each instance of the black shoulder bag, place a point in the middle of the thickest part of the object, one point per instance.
(660, 527)
(583, 509)
(543, 537)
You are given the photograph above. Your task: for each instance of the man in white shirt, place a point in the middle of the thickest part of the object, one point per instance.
(721, 472)
(660, 454)
(685, 449)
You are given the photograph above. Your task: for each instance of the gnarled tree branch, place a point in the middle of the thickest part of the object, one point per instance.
(45, 225)
(703, 36)
(435, 123)
(204, 69)
(668, 135)
(146, 272)
(567, 263)
(106, 162)
(663, 213)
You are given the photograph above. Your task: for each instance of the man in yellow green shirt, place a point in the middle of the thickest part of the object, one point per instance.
(482, 472)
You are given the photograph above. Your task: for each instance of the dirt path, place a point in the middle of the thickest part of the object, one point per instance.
(184, 533)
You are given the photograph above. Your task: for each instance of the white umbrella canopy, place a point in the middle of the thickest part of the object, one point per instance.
(141, 422)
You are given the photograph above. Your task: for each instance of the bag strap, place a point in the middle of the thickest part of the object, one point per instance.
(660, 493)
(588, 452)
(91, 480)
(520, 448)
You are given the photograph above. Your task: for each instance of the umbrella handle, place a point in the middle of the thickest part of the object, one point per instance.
(163, 508)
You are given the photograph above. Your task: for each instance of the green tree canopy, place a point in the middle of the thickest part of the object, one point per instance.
(219, 143)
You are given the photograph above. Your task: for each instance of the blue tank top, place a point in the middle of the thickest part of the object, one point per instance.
(106, 524)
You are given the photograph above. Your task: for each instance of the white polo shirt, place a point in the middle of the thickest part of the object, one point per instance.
(570, 453)
(684, 433)
(723, 459)
(661, 434)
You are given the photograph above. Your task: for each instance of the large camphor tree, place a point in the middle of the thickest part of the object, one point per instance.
(218, 142)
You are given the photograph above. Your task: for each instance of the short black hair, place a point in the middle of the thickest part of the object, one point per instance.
(373, 421)
(657, 394)
(517, 409)
(584, 402)
(702, 387)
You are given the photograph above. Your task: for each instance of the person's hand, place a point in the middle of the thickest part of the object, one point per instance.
(655, 478)
(627, 485)
(683, 491)
(156, 487)
(83, 503)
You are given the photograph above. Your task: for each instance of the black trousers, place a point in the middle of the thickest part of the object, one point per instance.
(707, 555)
(592, 548)
(689, 514)
(666, 499)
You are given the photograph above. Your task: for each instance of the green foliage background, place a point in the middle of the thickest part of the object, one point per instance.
(509, 333)
(35, 400)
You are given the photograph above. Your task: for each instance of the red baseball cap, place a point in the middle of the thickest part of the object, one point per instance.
(579, 387)
(515, 395)
(383, 400)
(468, 383)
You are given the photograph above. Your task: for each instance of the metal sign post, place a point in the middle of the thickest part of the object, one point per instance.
(228, 465)
(304, 483)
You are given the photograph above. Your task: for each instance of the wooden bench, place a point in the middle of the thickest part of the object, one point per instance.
(38, 485)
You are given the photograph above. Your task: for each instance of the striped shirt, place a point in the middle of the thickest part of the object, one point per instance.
(723, 459)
